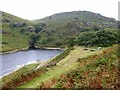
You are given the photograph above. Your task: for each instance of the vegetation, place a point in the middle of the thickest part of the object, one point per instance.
(59, 28)
(29, 72)
(63, 66)
(95, 71)
(56, 30)
(15, 78)
(12, 36)
(106, 37)
(33, 39)
(63, 55)
(78, 66)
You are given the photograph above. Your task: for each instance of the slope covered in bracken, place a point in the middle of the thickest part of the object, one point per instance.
(96, 71)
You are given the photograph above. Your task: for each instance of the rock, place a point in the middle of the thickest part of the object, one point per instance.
(99, 48)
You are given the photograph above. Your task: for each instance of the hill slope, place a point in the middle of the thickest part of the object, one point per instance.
(81, 68)
(12, 38)
(98, 70)
(64, 65)
(59, 27)
(54, 31)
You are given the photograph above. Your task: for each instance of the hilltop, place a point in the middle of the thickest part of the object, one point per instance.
(80, 15)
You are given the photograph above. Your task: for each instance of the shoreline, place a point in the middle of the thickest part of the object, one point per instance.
(23, 49)
(50, 48)
(23, 65)
(12, 51)
(27, 48)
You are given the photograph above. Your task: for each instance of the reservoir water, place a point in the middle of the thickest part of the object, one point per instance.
(12, 61)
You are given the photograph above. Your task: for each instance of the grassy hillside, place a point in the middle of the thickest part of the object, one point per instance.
(97, 69)
(62, 66)
(82, 68)
(59, 27)
(53, 31)
(12, 38)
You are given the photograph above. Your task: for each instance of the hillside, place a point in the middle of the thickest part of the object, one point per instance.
(51, 31)
(12, 38)
(80, 68)
(59, 27)
(95, 71)
(82, 64)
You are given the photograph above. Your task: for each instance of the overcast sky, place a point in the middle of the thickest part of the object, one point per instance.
(36, 9)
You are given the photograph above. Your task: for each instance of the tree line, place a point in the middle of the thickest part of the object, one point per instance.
(105, 37)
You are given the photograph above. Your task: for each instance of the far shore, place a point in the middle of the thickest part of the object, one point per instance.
(15, 50)
(27, 48)
(50, 48)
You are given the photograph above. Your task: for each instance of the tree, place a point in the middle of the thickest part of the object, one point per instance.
(85, 38)
(71, 41)
(39, 27)
(33, 39)
(107, 37)
(58, 43)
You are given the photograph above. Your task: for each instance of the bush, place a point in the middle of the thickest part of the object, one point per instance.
(106, 37)
(33, 40)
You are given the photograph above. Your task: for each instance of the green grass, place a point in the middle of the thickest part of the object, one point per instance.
(65, 65)
(47, 76)
(17, 42)
(17, 74)
(97, 71)
(29, 70)
(12, 38)
(63, 55)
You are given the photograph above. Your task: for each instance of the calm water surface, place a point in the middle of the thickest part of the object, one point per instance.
(12, 61)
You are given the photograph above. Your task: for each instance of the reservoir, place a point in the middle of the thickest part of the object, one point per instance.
(12, 61)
